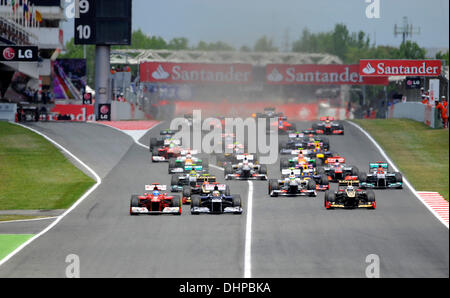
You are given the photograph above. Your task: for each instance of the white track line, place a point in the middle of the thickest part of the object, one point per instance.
(248, 228)
(405, 181)
(248, 233)
(59, 218)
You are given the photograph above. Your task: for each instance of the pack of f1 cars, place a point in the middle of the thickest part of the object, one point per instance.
(309, 172)
(187, 162)
(299, 140)
(327, 126)
(292, 185)
(171, 149)
(225, 158)
(194, 183)
(379, 176)
(337, 170)
(156, 201)
(299, 158)
(216, 202)
(159, 142)
(246, 169)
(350, 195)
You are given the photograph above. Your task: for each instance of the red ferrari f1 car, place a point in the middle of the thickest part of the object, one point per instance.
(155, 202)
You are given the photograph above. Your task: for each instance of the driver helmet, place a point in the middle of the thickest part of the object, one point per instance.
(193, 173)
(216, 193)
(155, 193)
(350, 188)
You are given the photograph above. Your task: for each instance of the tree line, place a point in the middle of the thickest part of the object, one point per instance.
(350, 47)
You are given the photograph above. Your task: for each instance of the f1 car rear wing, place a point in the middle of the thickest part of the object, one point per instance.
(302, 151)
(211, 187)
(335, 159)
(376, 165)
(349, 182)
(157, 186)
(242, 157)
(209, 179)
(193, 167)
(296, 135)
(326, 118)
(167, 132)
(186, 152)
(286, 172)
(173, 141)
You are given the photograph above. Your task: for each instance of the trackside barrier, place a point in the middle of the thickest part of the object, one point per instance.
(417, 111)
(8, 112)
(294, 111)
(126, 111)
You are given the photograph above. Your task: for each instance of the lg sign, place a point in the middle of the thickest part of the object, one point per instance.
(20, 54)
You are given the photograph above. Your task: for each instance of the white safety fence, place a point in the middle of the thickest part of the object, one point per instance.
(416, 111)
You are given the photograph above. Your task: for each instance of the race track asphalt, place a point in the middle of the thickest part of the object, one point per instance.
(292, 237)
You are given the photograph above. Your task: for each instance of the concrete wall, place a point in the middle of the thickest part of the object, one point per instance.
(126, 111)
(416, 111)
(8, 112)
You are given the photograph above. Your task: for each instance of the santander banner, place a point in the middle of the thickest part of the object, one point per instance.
(181, 73)
(400, 68)
(318, 74)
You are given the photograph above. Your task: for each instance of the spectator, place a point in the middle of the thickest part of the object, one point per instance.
(442, 107)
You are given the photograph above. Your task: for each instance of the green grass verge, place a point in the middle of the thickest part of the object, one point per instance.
(8, 243)
(421, 153)
(34, 174)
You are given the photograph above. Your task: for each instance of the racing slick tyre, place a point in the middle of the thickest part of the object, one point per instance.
(174, 179)
(172, 164)
(311, 185)
(320, 170)
(371, 197)
(228, 170)
(330, 199)
(398, 178)
(362, 177)
(263, 169)
(324, 180)
(176, 201)
(195, 202)
(273, 185)
(284, 164)
(355, 171)
(319, 162)
(153, 143)
(134, 202)
(154, 153)
(187, 191)
(236, 200)
(326, 143)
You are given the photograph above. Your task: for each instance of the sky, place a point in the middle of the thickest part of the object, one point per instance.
(242, 22)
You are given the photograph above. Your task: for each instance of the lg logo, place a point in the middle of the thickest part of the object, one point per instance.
(373, 9)
(9, 54)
